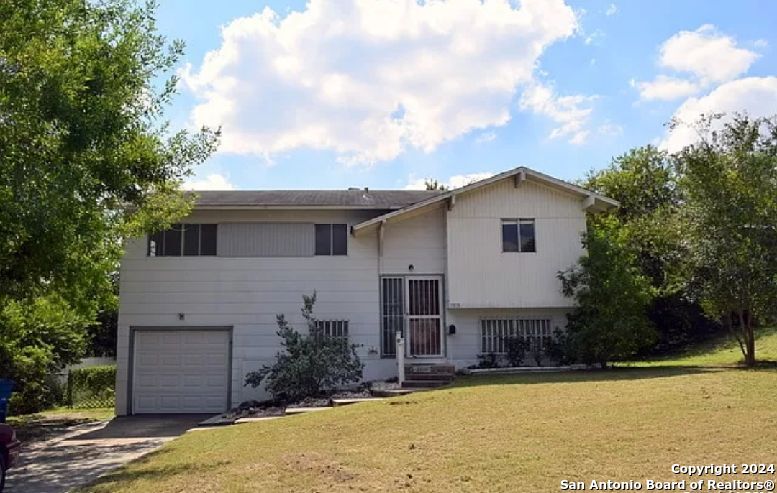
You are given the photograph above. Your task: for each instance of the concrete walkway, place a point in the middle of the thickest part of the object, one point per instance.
(90, 450)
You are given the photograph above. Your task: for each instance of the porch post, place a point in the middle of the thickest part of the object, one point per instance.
(400, 357)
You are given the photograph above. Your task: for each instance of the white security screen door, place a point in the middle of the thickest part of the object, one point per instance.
(423, 309)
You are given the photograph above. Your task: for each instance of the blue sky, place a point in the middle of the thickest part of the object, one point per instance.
(309, 97)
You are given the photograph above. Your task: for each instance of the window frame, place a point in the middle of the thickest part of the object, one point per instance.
(160, 247)
(493, 332)
(330, 228)
(326, 329)
(517, 223)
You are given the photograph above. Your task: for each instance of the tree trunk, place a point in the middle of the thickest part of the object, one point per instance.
(748, 334)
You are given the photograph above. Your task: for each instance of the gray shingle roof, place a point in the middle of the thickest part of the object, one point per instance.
(357, 199)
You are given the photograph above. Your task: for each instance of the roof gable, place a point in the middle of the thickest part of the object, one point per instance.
(590, 201)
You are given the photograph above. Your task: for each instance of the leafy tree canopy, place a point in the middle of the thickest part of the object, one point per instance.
(730, 182)
(85, 157)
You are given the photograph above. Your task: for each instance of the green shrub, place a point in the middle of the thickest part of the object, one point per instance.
(488, 360)
(558, 348)
(310, 364)
(515, 350)
(611, 295)
(39, 337)
(92, 386)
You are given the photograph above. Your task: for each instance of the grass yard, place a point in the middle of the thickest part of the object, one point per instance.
(721, 352)
(522, 433)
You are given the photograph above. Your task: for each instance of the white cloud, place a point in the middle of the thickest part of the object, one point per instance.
(455, 181)
(665, 88)
(611, 10)
(610, 129)
(760, 43)
(594, 38)
(485, 137)
(211, 182)
(707, 54)
(369, 79)
(571, 113)
(755, 95)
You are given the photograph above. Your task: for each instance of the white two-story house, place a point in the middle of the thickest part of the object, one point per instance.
(454, 271)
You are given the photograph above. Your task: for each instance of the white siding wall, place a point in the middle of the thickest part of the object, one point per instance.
(463, 244)
(480, 275)
(247, 293)
(419, 241)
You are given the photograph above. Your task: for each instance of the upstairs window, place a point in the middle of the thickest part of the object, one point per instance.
(518, 235)
(183, 240)
(331, 239)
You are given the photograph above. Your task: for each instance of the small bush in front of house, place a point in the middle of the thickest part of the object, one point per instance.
(558, 348)
(310, 364)
(487, 360)
(515, 350)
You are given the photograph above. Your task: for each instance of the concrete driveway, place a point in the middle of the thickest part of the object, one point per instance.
(89, 451)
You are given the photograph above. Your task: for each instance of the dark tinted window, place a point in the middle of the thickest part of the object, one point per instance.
(191, 239)
(528, 243)
(183, 239)
(172, 241)
(208, 234)
(323, 239)
(339, 239)
(509, 237)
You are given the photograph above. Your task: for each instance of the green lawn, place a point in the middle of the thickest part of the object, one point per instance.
(721, 352)
(521, 433)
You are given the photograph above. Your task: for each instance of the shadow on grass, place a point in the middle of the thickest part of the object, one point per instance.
(576, 376)
(128, 473)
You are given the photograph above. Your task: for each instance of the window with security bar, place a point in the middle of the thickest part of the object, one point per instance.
(495, 331)
(392, 312)
(333, 329)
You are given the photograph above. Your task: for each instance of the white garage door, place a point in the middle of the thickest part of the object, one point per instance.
(180, 371)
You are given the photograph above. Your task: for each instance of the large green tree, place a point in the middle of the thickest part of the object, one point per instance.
(645, 182)
(86, 157)
(730, 183)
(611, 295)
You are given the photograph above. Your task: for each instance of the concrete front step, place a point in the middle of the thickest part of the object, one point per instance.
(392, 392)
(346, 402)
(423, 384)
(442, 377)
(430, 368)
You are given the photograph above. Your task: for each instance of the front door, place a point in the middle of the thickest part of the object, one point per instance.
(423, 309)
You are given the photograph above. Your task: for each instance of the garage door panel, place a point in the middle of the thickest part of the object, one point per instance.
(180, 371)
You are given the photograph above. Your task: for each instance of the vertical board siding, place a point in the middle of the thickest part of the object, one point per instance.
(265, 239)
(481, 275)
(419, 241)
